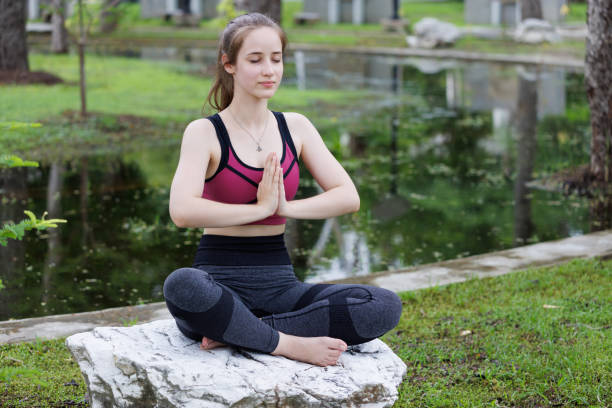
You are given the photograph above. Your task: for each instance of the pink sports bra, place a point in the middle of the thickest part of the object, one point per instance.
(235, 182)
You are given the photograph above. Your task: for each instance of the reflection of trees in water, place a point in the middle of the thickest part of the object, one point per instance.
(398, 152)
(526, 118)
(132, 252)
(12, 184)
(601, 212)
(87, 237)
(54, 245)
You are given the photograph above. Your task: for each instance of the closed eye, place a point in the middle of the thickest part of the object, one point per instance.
(255, 62)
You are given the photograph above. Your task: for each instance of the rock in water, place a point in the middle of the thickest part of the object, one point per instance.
(431, 33)
(534, 31)
(154, 365)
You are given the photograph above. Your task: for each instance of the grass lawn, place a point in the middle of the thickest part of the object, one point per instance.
(162, 96)
(540, 337)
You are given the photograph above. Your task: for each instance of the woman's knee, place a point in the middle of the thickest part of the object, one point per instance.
(393, 306)
(383, 313)
(191, 289)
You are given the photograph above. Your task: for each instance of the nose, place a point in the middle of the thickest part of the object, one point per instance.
(267, 68)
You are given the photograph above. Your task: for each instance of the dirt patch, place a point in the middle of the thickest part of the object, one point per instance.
(28, 77)
(107, 122)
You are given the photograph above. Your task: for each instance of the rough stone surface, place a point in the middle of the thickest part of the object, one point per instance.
(153, 364)
(430, 33)
(534, 31)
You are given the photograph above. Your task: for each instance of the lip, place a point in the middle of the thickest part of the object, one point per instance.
(267, 83)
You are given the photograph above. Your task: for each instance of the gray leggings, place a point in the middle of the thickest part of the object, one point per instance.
(246, 306)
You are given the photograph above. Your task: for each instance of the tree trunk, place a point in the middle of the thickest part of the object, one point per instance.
(271, 8)
(13, 45)
(59, 35)
(531, 9)
(598, 77)
(81, 46)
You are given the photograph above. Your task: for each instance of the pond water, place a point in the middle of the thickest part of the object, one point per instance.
(450, 161)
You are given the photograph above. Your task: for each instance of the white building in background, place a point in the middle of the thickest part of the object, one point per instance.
(163, 8)
(350, 11)
(508, 12)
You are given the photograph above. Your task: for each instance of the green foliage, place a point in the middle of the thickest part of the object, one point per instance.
(18, 125)
(10, 160)
(17, 231)
(127, 322)
(226, 12)
(124, 13)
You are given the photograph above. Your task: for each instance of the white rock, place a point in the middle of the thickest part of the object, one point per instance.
(431, 32)
(533, 31)
(154, 365)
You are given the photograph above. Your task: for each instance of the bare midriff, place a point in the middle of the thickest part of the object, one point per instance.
(247, 230)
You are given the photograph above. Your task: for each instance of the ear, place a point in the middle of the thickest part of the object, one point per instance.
(229, 68)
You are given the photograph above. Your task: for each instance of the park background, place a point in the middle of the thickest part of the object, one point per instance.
(452, 157)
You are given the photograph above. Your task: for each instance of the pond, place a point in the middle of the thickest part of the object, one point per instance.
(451, 159)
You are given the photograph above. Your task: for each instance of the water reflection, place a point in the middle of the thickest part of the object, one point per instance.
(53, 257)
(444, 159)
(526, 122)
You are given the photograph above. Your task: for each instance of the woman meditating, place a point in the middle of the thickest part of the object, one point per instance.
(237, 175)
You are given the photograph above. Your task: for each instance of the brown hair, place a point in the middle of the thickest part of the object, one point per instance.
(230, 41)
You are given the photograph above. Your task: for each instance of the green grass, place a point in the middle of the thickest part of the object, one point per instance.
(450, 11)
(519, 353)
(577, 12)
(568, 48)
(162, 96)
(132, 86)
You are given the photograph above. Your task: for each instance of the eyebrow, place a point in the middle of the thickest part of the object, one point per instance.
(259, 52)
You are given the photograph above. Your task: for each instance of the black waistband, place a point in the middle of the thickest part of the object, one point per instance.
(226, 250)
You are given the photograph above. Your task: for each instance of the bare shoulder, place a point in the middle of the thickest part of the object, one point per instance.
(296, 120)
(301, 128)
(200, 137)
(199, 131)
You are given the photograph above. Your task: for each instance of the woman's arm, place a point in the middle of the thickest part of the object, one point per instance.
(188, 208)
(340, 195)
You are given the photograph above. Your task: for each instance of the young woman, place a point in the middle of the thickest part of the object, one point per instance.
(236, 177)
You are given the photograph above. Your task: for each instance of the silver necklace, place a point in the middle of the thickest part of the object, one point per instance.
(257, 142)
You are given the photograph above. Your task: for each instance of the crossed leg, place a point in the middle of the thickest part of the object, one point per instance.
(352, 312)
(324, 319)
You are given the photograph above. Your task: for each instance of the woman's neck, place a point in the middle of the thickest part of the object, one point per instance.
(252, 114)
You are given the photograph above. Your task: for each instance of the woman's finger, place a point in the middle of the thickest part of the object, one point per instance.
(268, 175)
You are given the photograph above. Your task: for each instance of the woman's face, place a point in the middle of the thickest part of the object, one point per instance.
(259, 65)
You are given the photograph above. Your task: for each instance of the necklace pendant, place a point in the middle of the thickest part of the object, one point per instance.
(258, 148)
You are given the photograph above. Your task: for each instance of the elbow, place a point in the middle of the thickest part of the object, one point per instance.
(178, 218)
(355, 203)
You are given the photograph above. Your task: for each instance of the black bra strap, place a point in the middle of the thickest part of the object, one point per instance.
(221, 136)
(285, 132)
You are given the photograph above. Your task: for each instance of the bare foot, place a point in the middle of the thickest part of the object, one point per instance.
(321, 351)
(209, 344)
